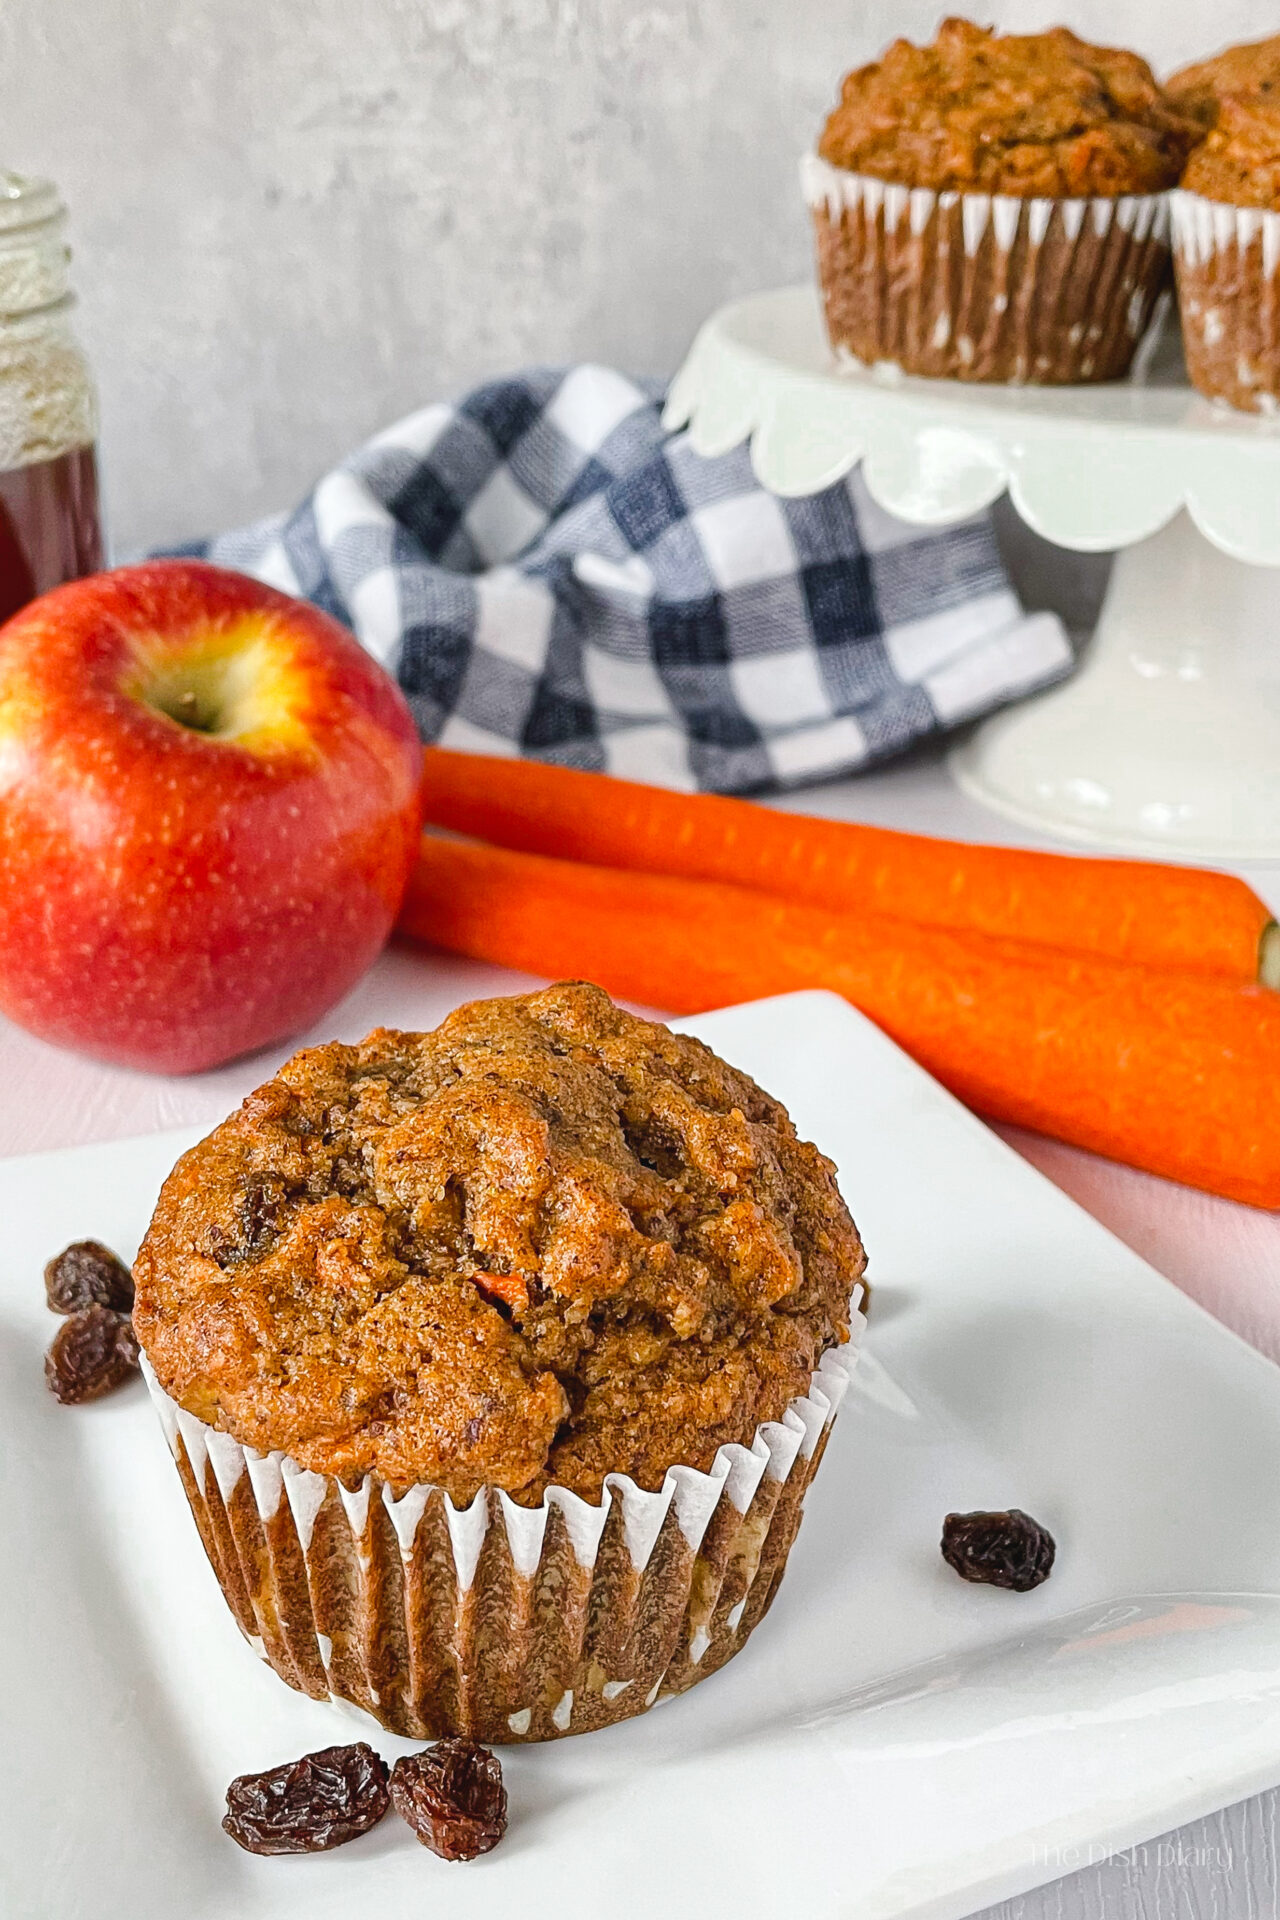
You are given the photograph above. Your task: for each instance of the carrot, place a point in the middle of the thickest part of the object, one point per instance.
(1168, 1071)
(1119, 909)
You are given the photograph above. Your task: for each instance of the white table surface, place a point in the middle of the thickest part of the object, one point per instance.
(1226, 1256)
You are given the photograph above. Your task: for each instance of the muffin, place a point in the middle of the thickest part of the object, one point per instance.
(993, 207)
(1250, 72)
(1226, 226)
(496, 1361)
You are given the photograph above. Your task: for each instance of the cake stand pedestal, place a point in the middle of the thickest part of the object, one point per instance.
(1167, 739)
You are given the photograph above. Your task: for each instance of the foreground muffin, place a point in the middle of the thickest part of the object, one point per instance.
(991, 207)
(430, 1321)
(1227, 255)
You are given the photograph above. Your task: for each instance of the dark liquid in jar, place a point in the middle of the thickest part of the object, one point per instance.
(50, 530)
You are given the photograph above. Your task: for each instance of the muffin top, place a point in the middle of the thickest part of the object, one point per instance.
(1250, 72)
(545, 1242)
(1239, 161)
(1023, 114)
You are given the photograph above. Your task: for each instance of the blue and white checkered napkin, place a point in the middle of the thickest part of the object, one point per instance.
(549, 573)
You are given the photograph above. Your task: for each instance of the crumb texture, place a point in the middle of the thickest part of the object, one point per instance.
(1023, 114)
(545, 1242)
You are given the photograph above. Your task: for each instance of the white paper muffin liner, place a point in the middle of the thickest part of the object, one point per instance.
(986, 286)
(1227, 261)
(497, 1621)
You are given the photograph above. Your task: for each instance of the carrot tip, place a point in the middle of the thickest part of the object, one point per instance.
(1269, 955)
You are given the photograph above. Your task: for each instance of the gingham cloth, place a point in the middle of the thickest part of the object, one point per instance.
(548, 572)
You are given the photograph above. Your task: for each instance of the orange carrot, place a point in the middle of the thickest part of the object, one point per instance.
(1165, 1070)
(1120, 909)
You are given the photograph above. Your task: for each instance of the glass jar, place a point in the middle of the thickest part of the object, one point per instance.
(50, 527)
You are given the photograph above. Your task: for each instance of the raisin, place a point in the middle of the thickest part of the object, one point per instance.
(260, 1211)
(255, 1230)
(87, 1274)
(999, 1549)
(92, 1352)
(308, 1805)
(453, 1797)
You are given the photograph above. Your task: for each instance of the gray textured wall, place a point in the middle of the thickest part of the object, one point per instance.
(295, 219)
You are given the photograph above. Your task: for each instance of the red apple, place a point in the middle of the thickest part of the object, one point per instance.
(209, 805)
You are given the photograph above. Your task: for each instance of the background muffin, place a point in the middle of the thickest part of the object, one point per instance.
(1250, 72)
(989, 206)
(1227, 254)
(547, 1243)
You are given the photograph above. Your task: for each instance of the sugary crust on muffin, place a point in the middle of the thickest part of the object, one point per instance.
(1239, 161)
(1248, 72)
(547, 1241)
(1024, 114)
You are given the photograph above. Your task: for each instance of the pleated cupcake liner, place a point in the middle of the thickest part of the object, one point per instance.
(496, 1621)
(986, 286)
(1227, 261)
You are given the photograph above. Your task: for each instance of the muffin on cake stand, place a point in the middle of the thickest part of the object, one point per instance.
(1167, 739)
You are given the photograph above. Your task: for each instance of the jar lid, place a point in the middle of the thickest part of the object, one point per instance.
(26, 202)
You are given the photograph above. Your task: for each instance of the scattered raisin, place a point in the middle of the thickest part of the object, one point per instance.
(453, 1797)
(308, 1805)
(92, 1352)
(87, 1274)
(999, 1549)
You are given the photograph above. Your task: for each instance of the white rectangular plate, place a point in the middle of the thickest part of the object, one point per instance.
(891, 1742)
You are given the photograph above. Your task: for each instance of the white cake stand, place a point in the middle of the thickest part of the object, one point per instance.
(1168, 737)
